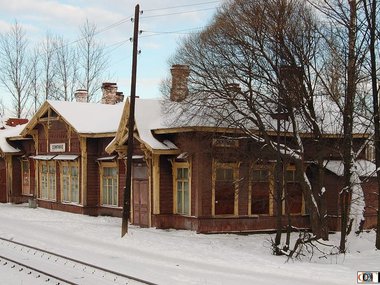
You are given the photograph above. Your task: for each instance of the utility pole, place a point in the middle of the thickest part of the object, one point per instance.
(131, 122)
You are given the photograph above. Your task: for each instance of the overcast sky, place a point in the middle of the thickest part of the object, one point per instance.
(63, 17)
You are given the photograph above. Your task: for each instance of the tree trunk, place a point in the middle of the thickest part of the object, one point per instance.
(348, 124)
(371, 18)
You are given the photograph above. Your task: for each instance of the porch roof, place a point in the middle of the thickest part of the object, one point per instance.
(7, 133)
(148, 116)
(66, 157)
(364, 167)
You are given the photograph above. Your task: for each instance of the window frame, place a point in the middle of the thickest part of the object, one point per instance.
(70, 164)
(271, 182)
(285, 182)
(176, 166)
(48, 164)
(104, 165)
(23, 192)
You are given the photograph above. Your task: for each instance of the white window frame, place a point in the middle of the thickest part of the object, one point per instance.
(115, 185)
(48, 180)
(182, 181)
(73, 186)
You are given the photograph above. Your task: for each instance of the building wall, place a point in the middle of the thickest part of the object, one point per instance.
(202, 152)
(3, 182)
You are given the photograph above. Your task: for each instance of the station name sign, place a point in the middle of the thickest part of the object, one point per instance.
(57, 147)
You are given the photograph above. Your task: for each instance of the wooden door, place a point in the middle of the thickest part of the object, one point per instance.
(140, 189)
(3, 184)
(224, 191)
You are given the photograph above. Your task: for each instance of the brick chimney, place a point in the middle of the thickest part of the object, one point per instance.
(180, 74)
(110, 94)
(81, 95)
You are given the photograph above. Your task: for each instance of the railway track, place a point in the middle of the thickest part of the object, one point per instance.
(53, 268)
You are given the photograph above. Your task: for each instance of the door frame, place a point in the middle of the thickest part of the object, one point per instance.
(235, 168)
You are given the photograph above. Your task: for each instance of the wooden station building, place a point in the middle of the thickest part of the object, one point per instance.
(71, 156)
(62, 160)
(199, 177)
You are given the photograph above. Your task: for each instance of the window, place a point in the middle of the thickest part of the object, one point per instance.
(47, 180)
(294, 200)
(25, 172)
(109, 184)
(182, 188)
(260, 192)
(370, 151)
(225, 142)
(70, 182)
(225, 189)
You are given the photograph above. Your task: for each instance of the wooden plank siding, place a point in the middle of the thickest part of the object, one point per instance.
(204, 155)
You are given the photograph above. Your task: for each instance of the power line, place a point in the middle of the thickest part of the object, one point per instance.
(182, 6)
(178, 13)
(179, 32)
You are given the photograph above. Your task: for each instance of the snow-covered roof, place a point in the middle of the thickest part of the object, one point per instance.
(148, 117)
(9, 132)
(364, 167)
(89, 118)
(212, 111)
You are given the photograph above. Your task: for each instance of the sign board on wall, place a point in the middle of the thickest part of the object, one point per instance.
(57, 147)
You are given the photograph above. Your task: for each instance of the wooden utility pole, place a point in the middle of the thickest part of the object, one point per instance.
(131, 122)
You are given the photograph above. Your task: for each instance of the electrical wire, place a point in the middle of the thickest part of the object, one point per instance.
(178, 13)
(182, 6)
(179, 32)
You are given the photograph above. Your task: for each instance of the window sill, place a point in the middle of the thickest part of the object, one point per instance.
(184, 215)
(71, 204)
(46, 200)
(111, 207)
(260, 215)
(225, 216)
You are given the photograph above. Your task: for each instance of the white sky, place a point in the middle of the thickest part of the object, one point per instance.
(63, 17)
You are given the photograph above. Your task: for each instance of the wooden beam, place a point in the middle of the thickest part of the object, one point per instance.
(9, 177)
(156, 183)
(83, 150)
(98, 135)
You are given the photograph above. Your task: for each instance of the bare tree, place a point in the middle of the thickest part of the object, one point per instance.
(345, 41)
(258, 58)
(371, 10)
(35, 81)
(48, 73)
(66, 69)
(15, 66)
(92, 58)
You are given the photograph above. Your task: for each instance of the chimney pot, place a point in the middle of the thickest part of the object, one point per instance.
(81, 95)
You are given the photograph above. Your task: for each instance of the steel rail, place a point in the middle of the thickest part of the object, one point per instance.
(36, 270)
(126, 276)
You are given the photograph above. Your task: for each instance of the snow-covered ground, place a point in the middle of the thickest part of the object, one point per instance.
(177, 257)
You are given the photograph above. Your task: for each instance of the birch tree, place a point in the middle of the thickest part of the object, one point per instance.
(346, 41)
(48, 72)
(15, 67)
(92, 58)
(371, 11)
(67, 70)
